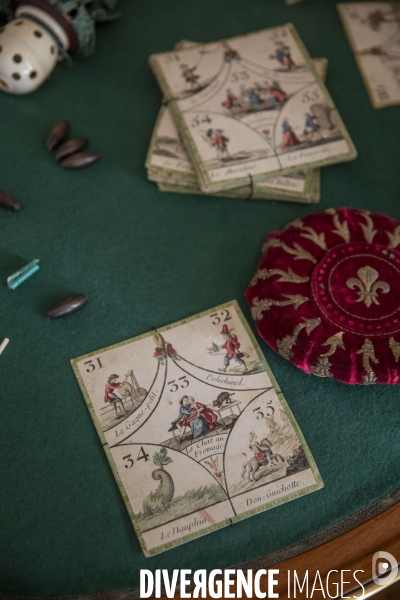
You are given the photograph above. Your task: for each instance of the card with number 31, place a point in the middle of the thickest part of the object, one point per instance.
(195, 427)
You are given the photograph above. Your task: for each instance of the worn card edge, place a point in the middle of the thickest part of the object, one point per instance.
(164, 547)
(357, 57)
(190, 177)
(239, 193)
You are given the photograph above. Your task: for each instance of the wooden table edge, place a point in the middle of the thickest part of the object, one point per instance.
(348, 545)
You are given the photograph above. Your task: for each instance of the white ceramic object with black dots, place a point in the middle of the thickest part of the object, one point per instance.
(28, 55)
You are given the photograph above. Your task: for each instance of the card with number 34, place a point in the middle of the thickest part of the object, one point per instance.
(251, 107)
(195, 427)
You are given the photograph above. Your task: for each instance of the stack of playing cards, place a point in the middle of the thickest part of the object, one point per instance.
(247, 117)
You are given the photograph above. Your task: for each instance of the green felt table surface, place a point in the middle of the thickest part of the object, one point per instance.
(146, 259)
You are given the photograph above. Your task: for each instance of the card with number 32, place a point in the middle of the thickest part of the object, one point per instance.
(195, 427)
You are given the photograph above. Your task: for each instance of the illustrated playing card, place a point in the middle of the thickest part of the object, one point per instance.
(169, 164)
(195, 427)
(373, 30)
(177, 172)
(252, 106)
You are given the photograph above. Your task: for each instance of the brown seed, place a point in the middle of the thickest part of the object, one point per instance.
(71, 147)
(67, 306)
(8, 201)
(80, 159)
(57, 134)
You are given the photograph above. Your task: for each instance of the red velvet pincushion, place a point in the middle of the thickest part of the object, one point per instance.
(326, 295)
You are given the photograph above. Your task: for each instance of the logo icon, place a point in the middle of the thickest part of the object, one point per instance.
(381, 561)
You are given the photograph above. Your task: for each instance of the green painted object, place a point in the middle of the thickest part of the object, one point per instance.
(15, 280)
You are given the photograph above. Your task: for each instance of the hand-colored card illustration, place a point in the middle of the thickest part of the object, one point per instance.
(194, 425)
(177, 171)
(373, 30)
(251, 106)
(169, 164)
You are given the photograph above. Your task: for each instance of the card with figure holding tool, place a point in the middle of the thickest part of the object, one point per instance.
(169, 165)
(251, 107)
(196, 429)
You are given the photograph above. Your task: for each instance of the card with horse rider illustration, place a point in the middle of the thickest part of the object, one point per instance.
(195, 427)
(251, 107)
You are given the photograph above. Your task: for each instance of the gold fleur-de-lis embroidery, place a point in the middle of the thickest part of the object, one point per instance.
(257, 309)
(322, 368)
(286, 344)
(296, 223)
(288, 276)
(298, 252)
(271, 242)
(285, 276)
(342, 229)
(368, 229)
(318, 239)
(394, 237)
(368, 285)
(368, 356)
(296, 300)
(333, 342)
(395, 348)
(260, 274)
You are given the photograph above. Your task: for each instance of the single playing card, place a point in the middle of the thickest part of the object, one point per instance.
(196, 429)
(373, 31)
(251, 106)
